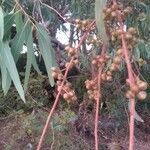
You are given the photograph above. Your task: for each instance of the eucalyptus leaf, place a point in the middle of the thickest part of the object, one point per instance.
(29, 44)
(19, 21)
(1, 24)
(8, 22)
(6, 80)
(99, 6)
(46, 51)
(9, 62)
(34, 64)
(18, 42)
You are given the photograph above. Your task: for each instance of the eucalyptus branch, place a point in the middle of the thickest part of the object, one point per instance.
(24, 12)
(53, 9)
(61, 88)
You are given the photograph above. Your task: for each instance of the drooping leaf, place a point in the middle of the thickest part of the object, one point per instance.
(9, 62)
(34, 64)
(19, 21)
(99, 6)
(30, 56)
(8, 22)
(18, 41)
(46, 50)
(6, 80)
(17, 45)
(29, 44)
(1, 24)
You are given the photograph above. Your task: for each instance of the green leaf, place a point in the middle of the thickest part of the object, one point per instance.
(8, 5)
(99, 6)
(19, 21)
(8, 22)
(18, 41)
(1, 24)
(34, 64)
(17, 44)
(147, 49)
(30, 56)
(136, 53)
(6, 80)
(8, 60)
(46, 51)
(29, 44)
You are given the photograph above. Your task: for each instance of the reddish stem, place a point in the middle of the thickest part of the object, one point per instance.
(61, 87)
(97, 110)
(53, 108)
(98, 98)
(132, 101)
(132, 82)
(131, 125)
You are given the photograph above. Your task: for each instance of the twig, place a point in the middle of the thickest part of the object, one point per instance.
(55, 12)
(98, 101)
(53, 136)
(61, 87)
(29, 17)
(132, 82)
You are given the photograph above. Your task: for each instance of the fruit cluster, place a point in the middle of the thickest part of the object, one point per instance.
(129, 35)
(141, 62)
(106, 76)
(112, 10)
(67, 92)
(82, 24)
(115, 65)
(137, 90)
(72, 53)
(91, 86)
(98, 60)
(94, 41)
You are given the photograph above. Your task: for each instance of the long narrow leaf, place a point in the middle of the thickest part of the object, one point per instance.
(1, 24)
(18, 41)
(8, 60)
(46, 51)
(8, 22)
(6, 80)
(99, 6)
(18, 21)
(34, 64)
(29, 44)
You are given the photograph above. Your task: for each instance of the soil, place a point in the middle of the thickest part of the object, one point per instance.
(22, 132)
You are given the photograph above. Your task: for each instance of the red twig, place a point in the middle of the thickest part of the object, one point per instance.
(132, 82)
(61, 87)
(53, 108)
(97, 110)
(132, 101)
(98, 99)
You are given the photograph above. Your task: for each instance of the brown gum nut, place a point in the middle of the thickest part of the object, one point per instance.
(142, 85)
(130, 94)
(135, 89)
(117, 60)
(142, 95)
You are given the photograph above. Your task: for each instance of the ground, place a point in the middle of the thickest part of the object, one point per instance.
(21, 131)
